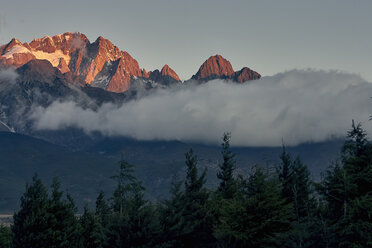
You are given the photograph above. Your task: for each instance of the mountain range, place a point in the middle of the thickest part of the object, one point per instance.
(102, 64)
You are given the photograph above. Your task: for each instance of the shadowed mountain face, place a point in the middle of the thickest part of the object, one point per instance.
(22, 156)
(86, 172)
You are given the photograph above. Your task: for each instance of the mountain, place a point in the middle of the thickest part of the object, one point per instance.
(102, 64)
(39, 84)
(99, 64)
(86, 172)
(83, 174)
(217, 67)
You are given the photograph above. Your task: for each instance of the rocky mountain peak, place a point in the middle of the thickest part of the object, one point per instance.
(246, 74)
(167, 71)
(10, 45)
(104, 65)
(218, 67)
(214, 67)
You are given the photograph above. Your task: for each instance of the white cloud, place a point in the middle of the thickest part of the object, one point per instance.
(8, 75)
(297, 106)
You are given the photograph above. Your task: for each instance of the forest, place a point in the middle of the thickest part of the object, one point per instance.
(267, 207)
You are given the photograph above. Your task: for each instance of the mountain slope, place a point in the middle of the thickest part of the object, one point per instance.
(82, 174)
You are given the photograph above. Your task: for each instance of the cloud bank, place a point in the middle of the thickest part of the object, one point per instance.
(297, 106)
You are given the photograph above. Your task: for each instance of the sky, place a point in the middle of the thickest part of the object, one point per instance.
(269, 36)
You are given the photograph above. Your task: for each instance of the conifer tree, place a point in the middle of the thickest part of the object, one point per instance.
(5, 237)
(286, 175)
(134, 221)
(63, 225)
(125, 181)
(347, 191)
(297, 191)
(102, 209)
(227, 186)
(31, 223)
(197, 229)
(257, 219)
(171, 219)
(92, 233)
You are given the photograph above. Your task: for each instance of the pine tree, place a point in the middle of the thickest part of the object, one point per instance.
(197, 229)
(227, 186)
(102, 209)
(356, 224)
(347, 191)
(171, 219)
(286, 175)
(92, 233)
(31, 223)
(297, 191)
(258, 218)
(64, 227)
(134, 221)
(118, 227)
(6, 236)
(125, 181)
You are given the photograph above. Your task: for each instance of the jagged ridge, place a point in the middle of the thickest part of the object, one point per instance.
(91, 62)
(102, 64)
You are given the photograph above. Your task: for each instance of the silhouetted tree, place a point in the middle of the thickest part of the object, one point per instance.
(227, 186)
(92, 232)
(31, 223)
(6, 236)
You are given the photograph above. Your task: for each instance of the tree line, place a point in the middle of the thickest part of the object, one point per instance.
(265, 208)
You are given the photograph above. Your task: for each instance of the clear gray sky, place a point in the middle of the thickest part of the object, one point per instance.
(269, 36)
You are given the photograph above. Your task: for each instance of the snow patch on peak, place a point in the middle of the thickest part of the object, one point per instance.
(53, 58)
(15, 50)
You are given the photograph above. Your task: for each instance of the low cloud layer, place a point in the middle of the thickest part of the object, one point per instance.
(8, 75)
(297, 106)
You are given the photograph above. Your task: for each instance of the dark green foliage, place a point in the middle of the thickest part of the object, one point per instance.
(45, 221)
(134, 220)
(92, 232)
(297, 191)
(357, 161)
(263, 209)
(6, 236)
(171, 219)
(258, 218)
(197, 226)
(296, 184)
(125, 182)
(227, 186)
(103, 210)
(185, 217)
(347, 192)
(31, 222)
(63, 226)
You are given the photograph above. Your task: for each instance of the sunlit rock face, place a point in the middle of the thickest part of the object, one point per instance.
(217, 67)
(102, 64)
